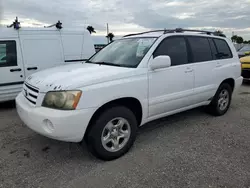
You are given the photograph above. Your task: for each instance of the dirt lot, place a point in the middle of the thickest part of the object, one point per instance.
(191, 149)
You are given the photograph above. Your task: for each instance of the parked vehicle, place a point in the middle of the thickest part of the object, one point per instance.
(245, 65)
(26, 51)
(244, 51)
(132, 81)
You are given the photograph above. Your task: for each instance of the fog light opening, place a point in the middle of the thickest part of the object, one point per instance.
(49, 127)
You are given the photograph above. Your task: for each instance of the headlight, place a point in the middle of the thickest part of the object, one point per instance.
(63, 100)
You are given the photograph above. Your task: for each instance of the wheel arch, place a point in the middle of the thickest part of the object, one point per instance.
(229, 81)
(130, 102)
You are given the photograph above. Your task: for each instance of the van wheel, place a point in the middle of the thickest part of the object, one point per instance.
(221, 101)
(112, 134)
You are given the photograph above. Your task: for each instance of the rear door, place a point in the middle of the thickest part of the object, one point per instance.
(41, 52)
(204, 65)
(11, 69)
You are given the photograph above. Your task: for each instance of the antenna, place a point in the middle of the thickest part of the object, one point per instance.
(58, 25)
(15, 24)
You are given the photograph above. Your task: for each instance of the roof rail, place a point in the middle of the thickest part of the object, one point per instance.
(152, 31)
(58, 25)
(180, 30)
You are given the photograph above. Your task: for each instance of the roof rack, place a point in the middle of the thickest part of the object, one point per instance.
(16, 24)
(180, 30)
(58, 25)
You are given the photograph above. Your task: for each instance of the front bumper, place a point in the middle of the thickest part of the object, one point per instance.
(61, 125)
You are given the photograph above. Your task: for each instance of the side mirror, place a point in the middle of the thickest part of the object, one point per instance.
(160, 62)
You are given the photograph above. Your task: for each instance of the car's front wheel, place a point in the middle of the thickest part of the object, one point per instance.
(113, 133)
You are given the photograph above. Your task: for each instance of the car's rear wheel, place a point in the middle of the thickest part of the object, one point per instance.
(113, 133)
(221, 101)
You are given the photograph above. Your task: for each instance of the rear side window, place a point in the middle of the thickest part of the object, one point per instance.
(175, 48)
(8, 56)
(200, 49)
(223, 49)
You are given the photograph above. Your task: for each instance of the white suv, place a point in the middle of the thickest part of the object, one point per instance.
(134, 80)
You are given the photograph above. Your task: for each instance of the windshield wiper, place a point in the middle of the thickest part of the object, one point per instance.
(107, 63)
(88, 61)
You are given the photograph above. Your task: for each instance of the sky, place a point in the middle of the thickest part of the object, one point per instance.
(131, 16)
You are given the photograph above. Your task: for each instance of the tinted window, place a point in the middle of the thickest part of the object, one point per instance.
(213, 48)
(175, 47)
(224, 51)
(8, 55)
(200, 49)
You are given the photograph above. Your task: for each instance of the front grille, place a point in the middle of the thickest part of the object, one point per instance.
(30, 93)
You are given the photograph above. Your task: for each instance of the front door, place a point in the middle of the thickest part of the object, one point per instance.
(171, 88)
(11, 69)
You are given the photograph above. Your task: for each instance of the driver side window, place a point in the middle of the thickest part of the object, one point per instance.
(175, 48)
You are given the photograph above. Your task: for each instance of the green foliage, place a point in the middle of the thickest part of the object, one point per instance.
(110, 36)
(239, 40)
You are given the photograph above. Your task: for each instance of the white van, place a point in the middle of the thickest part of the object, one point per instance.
(132, 81)
(26, 51)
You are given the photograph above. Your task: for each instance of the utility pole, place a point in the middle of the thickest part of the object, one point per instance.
(107, 32)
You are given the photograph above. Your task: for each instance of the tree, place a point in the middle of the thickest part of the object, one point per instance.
(91, 29)
(110, 37)
(245, 42)
(234, 38)
(239, 40)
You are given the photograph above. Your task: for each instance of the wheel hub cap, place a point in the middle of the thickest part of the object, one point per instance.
(116, 134)
(223, 100)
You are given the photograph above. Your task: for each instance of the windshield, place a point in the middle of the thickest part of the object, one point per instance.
(123, 52)
(245, 48)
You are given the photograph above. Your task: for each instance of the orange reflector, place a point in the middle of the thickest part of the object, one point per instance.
(76, 100)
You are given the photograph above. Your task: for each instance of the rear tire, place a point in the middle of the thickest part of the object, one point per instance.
(112, 134)
(221, 101)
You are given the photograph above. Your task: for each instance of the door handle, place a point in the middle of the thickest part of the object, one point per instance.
(15, 70)
(187, 71)
(32, 68)
(218, 65)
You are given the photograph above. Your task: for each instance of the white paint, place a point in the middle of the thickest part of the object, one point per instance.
(41, 48)
(161, 92)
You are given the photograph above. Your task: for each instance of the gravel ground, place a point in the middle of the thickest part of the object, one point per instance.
(190, 149)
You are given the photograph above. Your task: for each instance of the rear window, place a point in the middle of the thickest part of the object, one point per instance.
(223, 49)
(200, 49)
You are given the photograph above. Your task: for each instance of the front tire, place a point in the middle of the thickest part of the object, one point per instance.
(221, 101)
(112, 134)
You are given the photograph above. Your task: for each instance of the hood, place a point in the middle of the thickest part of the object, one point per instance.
(245, 59)
(76, 75)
